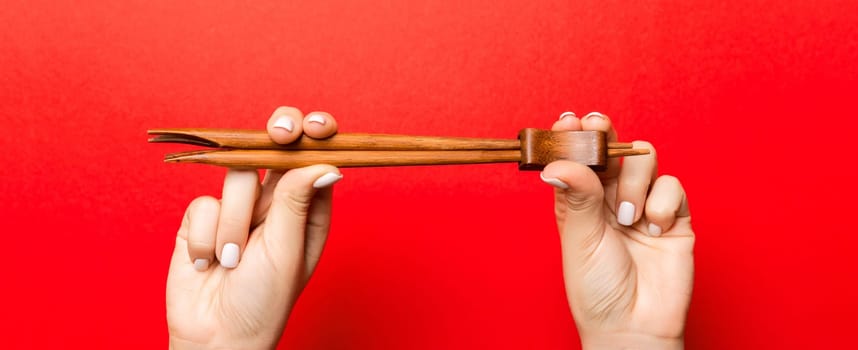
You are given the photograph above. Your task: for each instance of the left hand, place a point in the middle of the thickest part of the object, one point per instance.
(240, 262)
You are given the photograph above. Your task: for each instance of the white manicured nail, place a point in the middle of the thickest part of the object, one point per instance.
(594, 115)
(315, 118)
(327, 180)
(284, 122)
(626, 214)
(201, 264)
(554, 182)
(654, 230)
(229, 255)
(567, 114)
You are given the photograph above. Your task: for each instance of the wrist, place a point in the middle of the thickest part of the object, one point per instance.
(629, 341)
(182, 344)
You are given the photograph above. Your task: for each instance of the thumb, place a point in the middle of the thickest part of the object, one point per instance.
(284, 234)
(579, 202)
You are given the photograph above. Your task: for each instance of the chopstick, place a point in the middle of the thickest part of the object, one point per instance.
(254, 149)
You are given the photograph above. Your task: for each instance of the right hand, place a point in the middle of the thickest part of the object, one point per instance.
(627, 247)
(240, 262)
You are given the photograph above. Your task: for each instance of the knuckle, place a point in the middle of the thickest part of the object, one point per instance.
(204, 202)
(198, 245)
(670, 180)
(201, 207)
(317, 226)
(580, 203)
(233, 224)
(658, 213)
(295, 201)
(633, 184)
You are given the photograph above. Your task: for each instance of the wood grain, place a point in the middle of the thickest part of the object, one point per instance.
(540, 147)
(533, 150)
(289, 159)
(259, 139)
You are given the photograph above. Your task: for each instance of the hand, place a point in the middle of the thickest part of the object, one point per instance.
(241, 262)
(627, 247)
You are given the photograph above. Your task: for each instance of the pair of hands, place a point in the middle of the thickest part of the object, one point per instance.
(625, 233)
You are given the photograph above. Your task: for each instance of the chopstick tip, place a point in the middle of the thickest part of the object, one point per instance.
(190, 156)
(613, 153)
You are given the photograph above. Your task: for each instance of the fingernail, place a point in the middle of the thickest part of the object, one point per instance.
(284, 122)
(594, 115)
(654, 230)
(201, 264)
(315, 118)
(626, 214)
(567, 114)
(229, 255)
(554, 182)
(327, 180)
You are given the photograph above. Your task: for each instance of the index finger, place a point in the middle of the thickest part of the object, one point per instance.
(600, 122)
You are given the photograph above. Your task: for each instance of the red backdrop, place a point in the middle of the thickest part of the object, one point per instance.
(751, 104)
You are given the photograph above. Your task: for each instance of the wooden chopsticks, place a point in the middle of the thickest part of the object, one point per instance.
(254, 149)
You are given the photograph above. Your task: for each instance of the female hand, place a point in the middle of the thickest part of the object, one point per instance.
(240, 262)
(627, 246)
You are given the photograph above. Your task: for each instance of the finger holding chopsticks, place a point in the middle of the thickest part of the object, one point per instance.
(317, 125)
(287, 124)
(267, 239)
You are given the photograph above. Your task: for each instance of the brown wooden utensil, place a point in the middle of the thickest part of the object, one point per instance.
(252, 149)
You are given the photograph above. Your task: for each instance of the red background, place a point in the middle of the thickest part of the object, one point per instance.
(750, 103)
